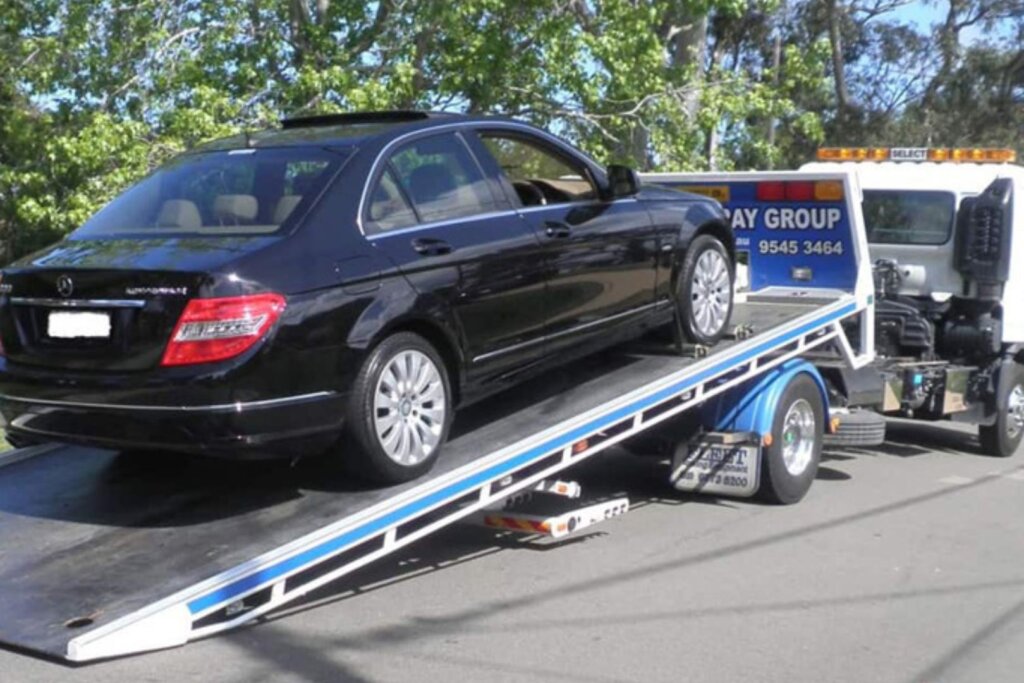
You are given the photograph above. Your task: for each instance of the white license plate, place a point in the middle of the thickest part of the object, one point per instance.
(78, 325)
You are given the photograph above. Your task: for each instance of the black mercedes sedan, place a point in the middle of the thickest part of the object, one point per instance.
(341, 284)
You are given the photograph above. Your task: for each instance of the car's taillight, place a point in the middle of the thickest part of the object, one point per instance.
(216, 329)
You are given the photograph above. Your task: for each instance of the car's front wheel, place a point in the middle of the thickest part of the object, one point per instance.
(400, 410)
(705, 293)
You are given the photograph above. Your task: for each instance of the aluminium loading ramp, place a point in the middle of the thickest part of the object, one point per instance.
(103, 555)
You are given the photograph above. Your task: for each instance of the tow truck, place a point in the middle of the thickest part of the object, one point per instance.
(105, 554)
(948, 264)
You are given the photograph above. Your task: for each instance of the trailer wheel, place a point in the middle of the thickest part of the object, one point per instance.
(1001, 439)
(400, 410)
(790, 461)
(705, 293)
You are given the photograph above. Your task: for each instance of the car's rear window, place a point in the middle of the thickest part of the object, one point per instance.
(908, 216)
(245, 191)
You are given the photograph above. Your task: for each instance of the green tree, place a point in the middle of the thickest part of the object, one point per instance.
(94, 94)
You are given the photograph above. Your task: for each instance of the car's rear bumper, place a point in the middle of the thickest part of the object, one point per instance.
(188, 420)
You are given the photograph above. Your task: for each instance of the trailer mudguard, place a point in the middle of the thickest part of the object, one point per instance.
(751, 407)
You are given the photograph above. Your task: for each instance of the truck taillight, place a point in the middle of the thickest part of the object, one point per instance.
(217, 329)
(799, 191)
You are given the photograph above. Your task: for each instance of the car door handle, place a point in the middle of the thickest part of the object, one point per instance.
(557, 229)
(431, 247)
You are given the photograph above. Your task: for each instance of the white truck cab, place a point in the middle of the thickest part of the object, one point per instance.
(917, 219)
(948, 247)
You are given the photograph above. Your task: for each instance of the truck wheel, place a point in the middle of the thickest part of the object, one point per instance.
(790, 462)
(705, 293)
(1001, 439)
(399, 411)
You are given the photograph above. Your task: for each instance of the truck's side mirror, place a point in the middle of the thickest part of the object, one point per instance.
(984, 229)
(622, 181)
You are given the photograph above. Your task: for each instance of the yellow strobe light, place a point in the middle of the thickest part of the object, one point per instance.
(974, 155)
(853, 154)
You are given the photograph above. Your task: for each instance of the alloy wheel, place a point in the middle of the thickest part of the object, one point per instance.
(409, 407)
(711, 293)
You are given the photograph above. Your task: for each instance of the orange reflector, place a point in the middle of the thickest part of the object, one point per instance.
(766, 440)
(717, 192)
(828, 190)
(580, 446)
(833, 425)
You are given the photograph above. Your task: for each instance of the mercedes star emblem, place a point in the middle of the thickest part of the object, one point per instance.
(65, 285)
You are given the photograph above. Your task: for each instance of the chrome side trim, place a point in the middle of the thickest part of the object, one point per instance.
(482, 217)
(78, 303)
(549, 207)
(216, 408)
(432, 224)
(572, 330)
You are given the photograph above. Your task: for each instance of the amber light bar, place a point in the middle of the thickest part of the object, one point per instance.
(976, 155)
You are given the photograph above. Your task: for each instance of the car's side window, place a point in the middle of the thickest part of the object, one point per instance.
(539, 176)
(441, 178)
(389, 210)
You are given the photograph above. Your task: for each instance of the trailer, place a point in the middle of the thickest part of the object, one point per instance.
(104, 554)
(948, 324)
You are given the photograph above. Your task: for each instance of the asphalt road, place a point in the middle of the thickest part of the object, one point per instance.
(903, 564)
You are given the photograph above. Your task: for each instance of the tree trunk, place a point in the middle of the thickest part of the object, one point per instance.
(298, 20)
(835, 38)
(688, 45)
(949, 48)
(776, 68)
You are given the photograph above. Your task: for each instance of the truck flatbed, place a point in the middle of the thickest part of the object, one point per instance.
(105, 554)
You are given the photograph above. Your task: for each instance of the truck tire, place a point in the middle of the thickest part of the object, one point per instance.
(858, 428)
(705, 294)
(1000, 440)
(790, 461)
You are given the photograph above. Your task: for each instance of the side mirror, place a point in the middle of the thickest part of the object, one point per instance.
(622, 181)
(983, 238)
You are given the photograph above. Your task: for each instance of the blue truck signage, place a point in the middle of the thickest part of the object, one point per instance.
(792, 233)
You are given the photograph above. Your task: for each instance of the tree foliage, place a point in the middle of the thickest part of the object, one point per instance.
(95, 93)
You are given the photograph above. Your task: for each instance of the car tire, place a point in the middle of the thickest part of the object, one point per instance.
(1001, 440)
(399, 411)
(790, 462)
(705, 291)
